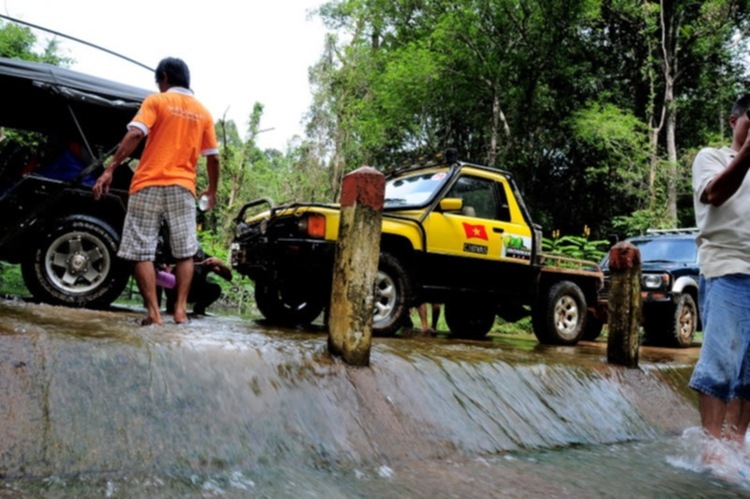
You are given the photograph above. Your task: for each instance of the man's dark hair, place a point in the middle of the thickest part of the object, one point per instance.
(176, 70)
(741, 106)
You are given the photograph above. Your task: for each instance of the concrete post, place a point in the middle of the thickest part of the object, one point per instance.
(624, 305)
(355, 266)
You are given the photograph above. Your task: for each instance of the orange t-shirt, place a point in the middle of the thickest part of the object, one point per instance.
(178, 130)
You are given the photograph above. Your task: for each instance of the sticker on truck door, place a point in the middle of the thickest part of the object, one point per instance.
(476, 249)
(475, 231)
(518, 247)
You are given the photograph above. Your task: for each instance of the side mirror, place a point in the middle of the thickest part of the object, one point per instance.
(451, 204)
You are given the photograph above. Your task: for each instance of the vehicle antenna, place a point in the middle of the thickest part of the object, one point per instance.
(76, 40)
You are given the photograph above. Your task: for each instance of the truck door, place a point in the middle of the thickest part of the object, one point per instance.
(489, 227)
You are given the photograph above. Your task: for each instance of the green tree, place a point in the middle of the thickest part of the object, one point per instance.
(17, 42)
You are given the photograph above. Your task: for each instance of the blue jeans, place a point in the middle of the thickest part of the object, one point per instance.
(723, 369)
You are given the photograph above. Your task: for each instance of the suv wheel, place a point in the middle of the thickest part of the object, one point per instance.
(393, 292)
(675, 326)
(559, 317)
(685, 321)
(76, 265)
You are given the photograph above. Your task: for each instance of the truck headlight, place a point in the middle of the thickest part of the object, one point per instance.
(655, 281)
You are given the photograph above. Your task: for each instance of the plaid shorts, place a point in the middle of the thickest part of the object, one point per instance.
(147, 209)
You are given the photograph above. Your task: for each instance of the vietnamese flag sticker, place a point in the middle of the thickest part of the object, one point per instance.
(477, 231)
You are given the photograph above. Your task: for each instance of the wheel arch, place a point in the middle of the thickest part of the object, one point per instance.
(686, 284)
(396, 245)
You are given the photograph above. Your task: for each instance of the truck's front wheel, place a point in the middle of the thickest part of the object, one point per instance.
(559, 316)
(393, 294)
(76, 265)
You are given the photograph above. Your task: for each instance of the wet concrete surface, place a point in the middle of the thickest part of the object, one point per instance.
(94, 405)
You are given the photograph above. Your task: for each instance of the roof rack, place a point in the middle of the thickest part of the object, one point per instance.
(683, 230)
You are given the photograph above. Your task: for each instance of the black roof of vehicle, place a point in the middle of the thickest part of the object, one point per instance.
(72, 84)
(667, 233)
(50, 99)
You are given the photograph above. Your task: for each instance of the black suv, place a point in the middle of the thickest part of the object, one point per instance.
(65, 241)
(669, 285)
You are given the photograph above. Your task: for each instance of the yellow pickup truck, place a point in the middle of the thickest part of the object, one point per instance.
(453, 232)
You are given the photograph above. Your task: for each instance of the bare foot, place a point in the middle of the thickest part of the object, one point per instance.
(723, 460)
(181, 317)
(147, 321)
(426, 332)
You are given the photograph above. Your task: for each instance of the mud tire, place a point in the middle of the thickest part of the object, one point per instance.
(471, 319)
(393, 295)
(673, 327)
(559, 317)
(77, 265)
(285, 309)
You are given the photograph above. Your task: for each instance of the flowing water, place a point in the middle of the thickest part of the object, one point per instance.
(91, 405)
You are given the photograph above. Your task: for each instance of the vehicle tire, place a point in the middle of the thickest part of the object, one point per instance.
(77, 265)
(471, 319)
(393, 296)
(593, 328)
(674, 326)
(559, 317)
(285, 309)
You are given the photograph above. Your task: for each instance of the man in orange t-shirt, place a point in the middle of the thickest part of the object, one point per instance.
(178, 130)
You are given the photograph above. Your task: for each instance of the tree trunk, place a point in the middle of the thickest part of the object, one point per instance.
(669, 53)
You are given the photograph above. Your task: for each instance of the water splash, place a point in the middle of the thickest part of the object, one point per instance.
(728, 463)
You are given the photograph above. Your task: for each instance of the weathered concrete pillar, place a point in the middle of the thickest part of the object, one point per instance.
(624, 305)
(356, 265)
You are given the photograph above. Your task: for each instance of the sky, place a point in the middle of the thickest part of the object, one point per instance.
(239, 51)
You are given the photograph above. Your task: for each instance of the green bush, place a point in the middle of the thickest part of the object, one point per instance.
(11, 280)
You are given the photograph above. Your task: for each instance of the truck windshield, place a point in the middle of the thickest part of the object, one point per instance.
(414, 190)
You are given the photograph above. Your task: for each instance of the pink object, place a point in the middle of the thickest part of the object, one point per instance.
(165, 279)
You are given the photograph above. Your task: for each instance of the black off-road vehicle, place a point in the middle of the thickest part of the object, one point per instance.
(669, 285)
(64, 240)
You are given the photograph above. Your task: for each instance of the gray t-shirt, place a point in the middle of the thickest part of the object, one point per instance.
(723, 231)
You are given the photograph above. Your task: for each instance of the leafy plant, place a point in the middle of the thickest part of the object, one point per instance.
(11, 281)
(576, 247)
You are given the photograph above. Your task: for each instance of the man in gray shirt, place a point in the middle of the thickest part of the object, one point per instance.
(721, 196)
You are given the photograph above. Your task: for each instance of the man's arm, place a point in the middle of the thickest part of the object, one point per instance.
(726, 183)
(218, 267)
(127, 146)
(212, 165)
